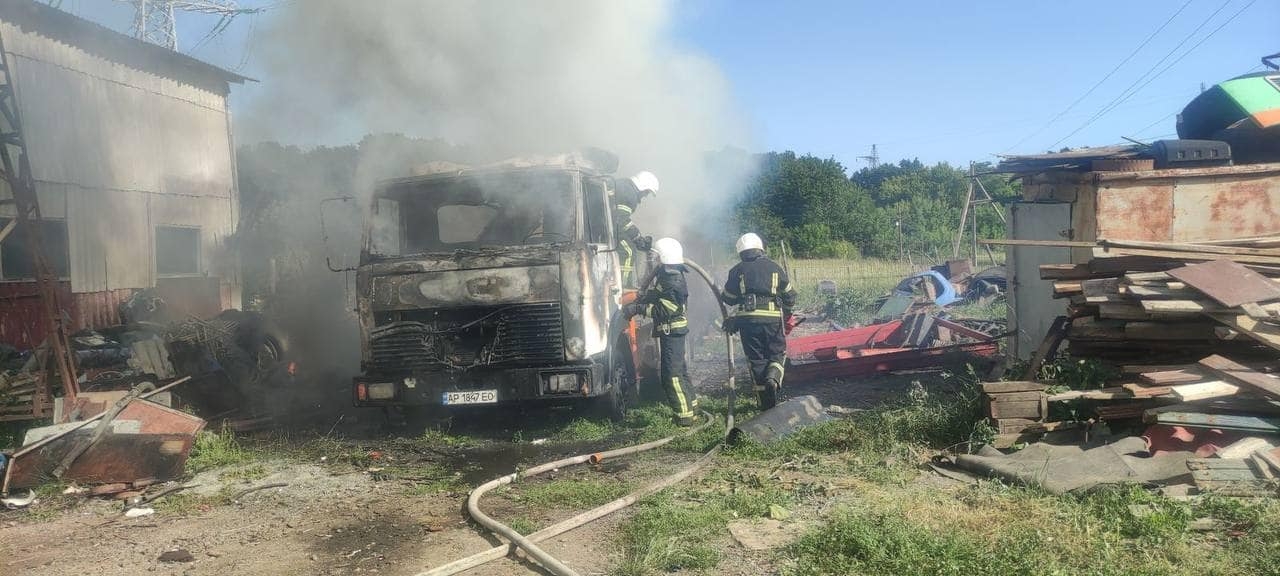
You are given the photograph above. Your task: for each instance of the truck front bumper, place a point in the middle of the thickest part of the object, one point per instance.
(488, 386)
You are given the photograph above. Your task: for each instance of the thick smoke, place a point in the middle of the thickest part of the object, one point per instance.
(502, 78)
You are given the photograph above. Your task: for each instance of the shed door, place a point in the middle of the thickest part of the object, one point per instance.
(1032, 307)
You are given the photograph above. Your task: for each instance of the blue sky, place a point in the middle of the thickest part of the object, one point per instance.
(937, 80)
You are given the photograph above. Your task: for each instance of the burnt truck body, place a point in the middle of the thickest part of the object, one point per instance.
(494, 285)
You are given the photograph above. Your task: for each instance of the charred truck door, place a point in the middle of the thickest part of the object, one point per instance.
(490, 286)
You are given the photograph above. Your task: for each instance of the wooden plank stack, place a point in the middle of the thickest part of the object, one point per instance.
(1122, 314)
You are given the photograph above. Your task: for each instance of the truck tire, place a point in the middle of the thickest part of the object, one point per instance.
(624, 391)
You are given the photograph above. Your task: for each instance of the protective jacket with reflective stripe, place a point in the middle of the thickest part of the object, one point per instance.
(625, 199)
(759, 279)
(665, 302)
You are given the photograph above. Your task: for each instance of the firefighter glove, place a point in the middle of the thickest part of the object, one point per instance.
(644, 243)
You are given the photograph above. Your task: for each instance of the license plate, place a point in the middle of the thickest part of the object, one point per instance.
(471, 397)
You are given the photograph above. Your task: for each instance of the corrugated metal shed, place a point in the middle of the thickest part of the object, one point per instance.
(123, 137)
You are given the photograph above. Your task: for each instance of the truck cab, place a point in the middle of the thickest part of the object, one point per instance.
(493, 285)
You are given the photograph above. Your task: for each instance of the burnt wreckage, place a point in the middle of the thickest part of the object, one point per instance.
(494, 285)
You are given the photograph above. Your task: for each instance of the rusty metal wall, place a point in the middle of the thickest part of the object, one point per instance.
(1191, 207)
(20, 311)
(117, 151)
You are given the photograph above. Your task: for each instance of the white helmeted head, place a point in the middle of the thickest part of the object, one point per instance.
(645, 181)
(749, 241)
(669, 251)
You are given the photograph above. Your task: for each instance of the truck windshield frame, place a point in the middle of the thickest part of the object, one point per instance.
(489, 210)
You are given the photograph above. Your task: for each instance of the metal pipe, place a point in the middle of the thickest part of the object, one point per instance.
(528, 543)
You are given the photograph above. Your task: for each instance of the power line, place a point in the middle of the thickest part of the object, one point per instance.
(1126, 93)
(1104, 78)
(1190, 50)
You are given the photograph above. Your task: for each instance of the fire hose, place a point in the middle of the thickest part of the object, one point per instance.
(529, 543)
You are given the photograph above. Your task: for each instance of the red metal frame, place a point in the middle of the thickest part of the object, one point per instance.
(870, 350)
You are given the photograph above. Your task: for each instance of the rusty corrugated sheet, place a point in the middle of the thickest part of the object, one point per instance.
(1138, 212)
(20, 311)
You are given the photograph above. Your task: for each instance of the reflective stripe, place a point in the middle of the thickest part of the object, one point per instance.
(648, 310)
(628, 253)
(674, 324)
(787, 288)
(760, 313)
(669, 305)
(742, 285)
(773, 285)
(624, 208)
(684, 411)
(782, 371)
(759, 388)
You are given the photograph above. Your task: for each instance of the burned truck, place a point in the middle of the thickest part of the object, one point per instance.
(494, 285)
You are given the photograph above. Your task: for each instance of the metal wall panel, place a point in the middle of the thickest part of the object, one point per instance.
(116, 151)
(1032, 307)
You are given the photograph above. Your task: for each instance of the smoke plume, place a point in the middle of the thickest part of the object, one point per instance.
(503, 79)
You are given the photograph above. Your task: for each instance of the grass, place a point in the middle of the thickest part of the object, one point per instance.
(571, 492)
(217, 450)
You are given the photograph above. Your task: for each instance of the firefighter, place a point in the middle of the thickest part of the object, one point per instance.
(665, 303)
(627, 197)
(762, 297)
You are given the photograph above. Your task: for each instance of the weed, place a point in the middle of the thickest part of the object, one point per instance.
(523, 525)
(584, 430)
(1078, 373)
(572, 493)
(437, 437)
(215, 450)
(247, 473)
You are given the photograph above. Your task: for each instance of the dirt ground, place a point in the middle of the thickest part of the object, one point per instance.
(343, 519)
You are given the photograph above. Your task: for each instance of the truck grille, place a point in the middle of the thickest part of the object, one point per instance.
(404, 345)
(519, 334)
(529, 333)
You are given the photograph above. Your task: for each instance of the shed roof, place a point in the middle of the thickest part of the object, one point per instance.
(50, 22)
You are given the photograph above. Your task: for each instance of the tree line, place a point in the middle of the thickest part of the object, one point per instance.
(890, 211)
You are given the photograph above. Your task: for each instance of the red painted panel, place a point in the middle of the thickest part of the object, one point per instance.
(20, 309)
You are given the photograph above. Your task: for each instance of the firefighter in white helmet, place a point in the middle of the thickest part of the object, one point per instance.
(626, 198)
(665, 303)
(762, 297)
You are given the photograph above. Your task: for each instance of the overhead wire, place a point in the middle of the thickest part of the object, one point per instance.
(1099, 83)
(1139, 84)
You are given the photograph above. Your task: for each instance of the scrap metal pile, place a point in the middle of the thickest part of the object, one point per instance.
(119, 426)
(1194, 330)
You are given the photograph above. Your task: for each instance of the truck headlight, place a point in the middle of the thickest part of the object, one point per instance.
(571, 382)
(382, 391)
(575, 348)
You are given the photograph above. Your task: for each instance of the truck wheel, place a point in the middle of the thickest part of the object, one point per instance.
(623, 391)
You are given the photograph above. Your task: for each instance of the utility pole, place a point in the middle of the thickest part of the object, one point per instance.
(873, 160)
(969, 215)
(154, 22)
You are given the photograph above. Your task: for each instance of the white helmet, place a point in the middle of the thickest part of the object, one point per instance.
(749, 241)
(646, 182)
(669, 251)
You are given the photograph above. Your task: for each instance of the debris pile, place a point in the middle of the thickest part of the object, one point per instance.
(917, 341)
(1195, 332)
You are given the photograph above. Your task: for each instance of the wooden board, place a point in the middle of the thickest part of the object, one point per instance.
(1140, 391)
(1157, 293)
(1239, 373)
(1006, 387)
(1141, 330)
(1244, 447)
(1122, 311)
(1186, 307)
(1065, 272)
(1064, 288)
(1031, 409)
(1266, 334)
(1234, 477)
(1241, 422)
(1101, 253)
(1101, 290)
(1271, 457)
(1166, 377)
(1204, 390)
(1146, 368)
(1228, 283)
(1048, 347)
